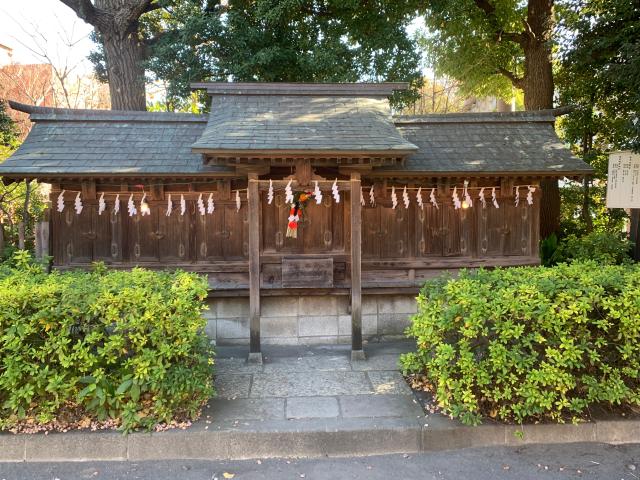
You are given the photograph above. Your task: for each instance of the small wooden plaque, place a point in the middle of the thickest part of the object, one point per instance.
(307, 272)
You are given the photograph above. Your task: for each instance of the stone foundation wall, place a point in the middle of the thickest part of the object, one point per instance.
(309, 320)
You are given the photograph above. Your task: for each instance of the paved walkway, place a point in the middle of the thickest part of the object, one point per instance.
(305, 383)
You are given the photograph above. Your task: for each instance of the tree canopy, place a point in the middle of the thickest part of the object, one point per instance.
(282, 40)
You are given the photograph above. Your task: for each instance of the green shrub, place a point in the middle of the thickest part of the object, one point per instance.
(530, 343)
(123, 345)
(602, 247)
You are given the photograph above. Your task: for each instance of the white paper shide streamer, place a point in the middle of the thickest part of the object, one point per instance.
(116, 205)
(494, 199)
(432, 198)
(183, 205)
(530, 194)
(372, 196)
(60, 201)
(78, 204)
(467, 197)
(405, 197)
(517, 200)
(144, 206)
(210, 205)
(394, 198)
(362, 202)
(457, 204)
(270, 193)
(201, 208)
(131, 206)
(101, 204)
(288, 193)
(483, 200)
(238, 201)
(169, 206)
(317, 194)
(335, 192)
(419, 198)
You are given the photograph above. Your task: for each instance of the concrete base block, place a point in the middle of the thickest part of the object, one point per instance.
(358, 355)
(76, 447)
(177, 445)
(255, 358)
(617, 431)
(12, 448)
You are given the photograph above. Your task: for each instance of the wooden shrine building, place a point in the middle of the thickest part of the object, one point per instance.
(400, 199)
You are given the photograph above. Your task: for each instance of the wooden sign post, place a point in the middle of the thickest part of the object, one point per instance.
(623, 190)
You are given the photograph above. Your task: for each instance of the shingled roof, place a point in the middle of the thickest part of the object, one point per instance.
(105, 142)
(249, 118)
(288, 119)
(487, 143)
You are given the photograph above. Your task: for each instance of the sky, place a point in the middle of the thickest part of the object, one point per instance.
(46, 26)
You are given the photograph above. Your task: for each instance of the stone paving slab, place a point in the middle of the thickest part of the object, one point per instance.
(245, 409)
(304, 384)
(231, 386)
(311, 363)
(386, 361)
(388, 383)
(312, 407)
(373, 406)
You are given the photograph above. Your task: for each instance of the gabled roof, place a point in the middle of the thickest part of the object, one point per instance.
(512, 142)
(106, 142)
(293, 119)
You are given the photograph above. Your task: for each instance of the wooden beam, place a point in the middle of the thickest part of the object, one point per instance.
(255, 355)
(357, 353)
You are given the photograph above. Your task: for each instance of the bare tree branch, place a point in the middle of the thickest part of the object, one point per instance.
(85, 10)
(515, 80)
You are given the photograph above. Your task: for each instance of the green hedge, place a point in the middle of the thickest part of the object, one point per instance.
(123, 345)
(530, 343)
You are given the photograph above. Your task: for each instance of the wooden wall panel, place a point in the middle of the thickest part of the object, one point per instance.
(428, 231)
(371, 234)
(395, 232)
(173, 234)
(492, 231)
(78, 243)
(107, 246)
(142, 236)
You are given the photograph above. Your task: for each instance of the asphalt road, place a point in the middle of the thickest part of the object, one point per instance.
(589, 461)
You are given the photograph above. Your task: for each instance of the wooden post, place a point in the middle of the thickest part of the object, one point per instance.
(357, 353)
(635, 233)
(255, 355)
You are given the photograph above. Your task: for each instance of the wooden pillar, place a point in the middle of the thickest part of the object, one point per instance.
(634, 233)
(255, 355)
(357, 353)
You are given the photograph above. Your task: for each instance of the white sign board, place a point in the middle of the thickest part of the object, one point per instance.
(623, 182)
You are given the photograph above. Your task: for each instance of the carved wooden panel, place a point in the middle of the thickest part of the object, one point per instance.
(371, 233)
(428, 231)
(107, 246)
(300, 272)
(394, 229)
(142, 236)
(321, 229)
(518, 219)
(79, 234)
(492, 231)
(172, 234)
(235, 232)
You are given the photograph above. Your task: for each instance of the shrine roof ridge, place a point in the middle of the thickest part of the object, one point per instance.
(542, 116)
(37, 113)
(384, 89)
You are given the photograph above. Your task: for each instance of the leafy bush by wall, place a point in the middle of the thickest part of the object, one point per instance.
(602, 247)
(530, 343)
(124, 345)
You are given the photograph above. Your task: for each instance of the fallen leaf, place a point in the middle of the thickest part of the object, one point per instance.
(228, 475)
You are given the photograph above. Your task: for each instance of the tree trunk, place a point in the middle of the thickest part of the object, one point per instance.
(537, 85)
(125, 71)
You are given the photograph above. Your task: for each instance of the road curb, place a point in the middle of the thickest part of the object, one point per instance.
(310, 439)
